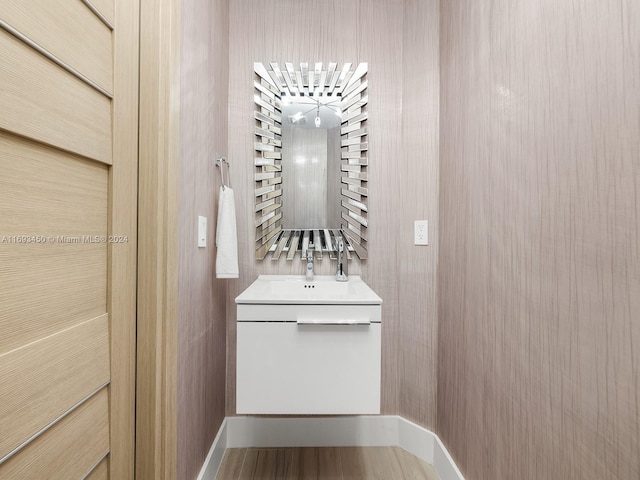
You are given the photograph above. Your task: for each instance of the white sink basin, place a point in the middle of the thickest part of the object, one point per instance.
(322, 290)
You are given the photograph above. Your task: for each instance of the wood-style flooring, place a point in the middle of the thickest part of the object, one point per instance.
(323, 463)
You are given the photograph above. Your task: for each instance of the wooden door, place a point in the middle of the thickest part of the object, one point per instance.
(68, 189)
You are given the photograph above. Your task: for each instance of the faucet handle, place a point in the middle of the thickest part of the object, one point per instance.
(309, 270)
(342, 274)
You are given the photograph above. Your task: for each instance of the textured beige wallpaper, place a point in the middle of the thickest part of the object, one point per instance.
(202, 301)
(402, 274)
(417, 199)
(539, 273)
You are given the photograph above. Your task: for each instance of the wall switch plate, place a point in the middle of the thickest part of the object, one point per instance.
(421, 232)
(202, 232)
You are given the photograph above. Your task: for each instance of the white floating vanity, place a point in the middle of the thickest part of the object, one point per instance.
(308, 347)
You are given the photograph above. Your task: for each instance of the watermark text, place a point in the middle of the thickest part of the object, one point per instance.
(61, 239)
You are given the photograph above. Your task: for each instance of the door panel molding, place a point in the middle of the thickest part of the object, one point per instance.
(44, 102)
(70, 448)
(49, 377)
(123, 221)
(74, 36)
(156, 396)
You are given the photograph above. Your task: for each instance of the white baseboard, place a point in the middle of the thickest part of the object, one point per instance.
(213, 461)
(311, 431)
(427, 445)
(443, 463)
(344, 431)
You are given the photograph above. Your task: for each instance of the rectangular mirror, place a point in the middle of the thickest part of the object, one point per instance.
(311, 158)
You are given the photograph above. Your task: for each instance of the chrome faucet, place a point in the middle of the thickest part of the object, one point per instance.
(342, 274)
(309, 273)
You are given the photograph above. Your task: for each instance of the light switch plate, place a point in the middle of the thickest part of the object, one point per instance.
(421, 232)
(202, 232)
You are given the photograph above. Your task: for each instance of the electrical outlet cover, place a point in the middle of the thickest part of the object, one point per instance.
(421, 232)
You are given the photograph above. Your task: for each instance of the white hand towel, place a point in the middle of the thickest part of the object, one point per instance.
(226, 236)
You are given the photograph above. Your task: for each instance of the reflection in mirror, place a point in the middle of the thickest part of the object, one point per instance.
(311, 159)
(310, 163)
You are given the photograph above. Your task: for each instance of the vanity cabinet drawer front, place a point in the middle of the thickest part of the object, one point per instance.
(287, 368)
(310, 313)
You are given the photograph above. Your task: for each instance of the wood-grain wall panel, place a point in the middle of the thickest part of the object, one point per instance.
(53, 198)
(44, 379)
(47, 192)
(123, 257)
(156, 447)
(539, 272)
(69, 31)
(48, 288)
(67, 450)
(101, 472)
(66, 183)
(42, 101)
